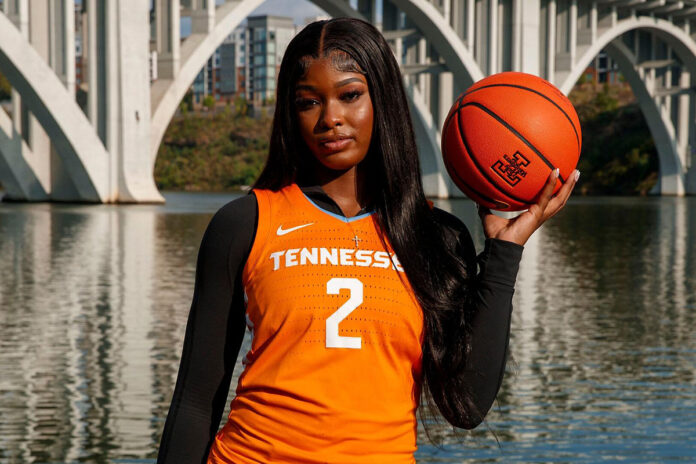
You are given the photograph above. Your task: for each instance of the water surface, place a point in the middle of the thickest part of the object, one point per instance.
(94, 300)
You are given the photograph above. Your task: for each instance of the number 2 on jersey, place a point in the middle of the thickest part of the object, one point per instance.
(334, 287)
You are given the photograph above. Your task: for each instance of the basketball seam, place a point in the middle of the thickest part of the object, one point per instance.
(572, 124)
(482, 170)
(454, 173)
(514, 131)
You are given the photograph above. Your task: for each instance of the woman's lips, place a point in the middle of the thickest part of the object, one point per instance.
(335, 145)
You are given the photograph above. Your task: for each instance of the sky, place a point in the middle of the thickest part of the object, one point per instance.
(298, 10)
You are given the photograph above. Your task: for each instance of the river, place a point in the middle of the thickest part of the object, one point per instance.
(94, 300)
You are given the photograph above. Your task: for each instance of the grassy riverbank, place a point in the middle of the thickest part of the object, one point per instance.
(212, 152)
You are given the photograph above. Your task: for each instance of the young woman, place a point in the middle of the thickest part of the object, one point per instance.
(360, 297)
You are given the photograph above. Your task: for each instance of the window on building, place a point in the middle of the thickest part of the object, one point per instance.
(602, 62)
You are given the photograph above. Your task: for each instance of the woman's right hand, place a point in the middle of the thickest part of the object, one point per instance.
(519, 229)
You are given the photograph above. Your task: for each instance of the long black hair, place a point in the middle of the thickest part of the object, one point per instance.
(437, 276)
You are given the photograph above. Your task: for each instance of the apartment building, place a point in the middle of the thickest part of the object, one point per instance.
(267, 37)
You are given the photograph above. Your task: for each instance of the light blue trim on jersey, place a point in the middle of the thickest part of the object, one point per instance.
(338, 216)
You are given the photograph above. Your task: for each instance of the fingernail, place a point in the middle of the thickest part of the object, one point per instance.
(577, 175)
(556, 172)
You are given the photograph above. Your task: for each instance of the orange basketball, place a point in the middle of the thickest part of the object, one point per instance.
(504, 136)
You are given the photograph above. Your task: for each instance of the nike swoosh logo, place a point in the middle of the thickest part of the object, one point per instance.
(282, 231)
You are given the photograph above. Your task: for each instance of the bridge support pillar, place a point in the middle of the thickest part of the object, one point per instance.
(202, 16)
(690, 149)
(39, 155)
(691, 174)
(60, 53)
(684, 125)
(25, 146)
(167, 38)
(526, 39)
(129, 111)
(445, 188)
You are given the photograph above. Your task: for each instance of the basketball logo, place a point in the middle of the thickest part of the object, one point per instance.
(504, 136)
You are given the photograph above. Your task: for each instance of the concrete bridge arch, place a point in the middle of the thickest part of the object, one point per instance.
(671, 137)
(196, 49)
(108, 150)
(46, 96)
(70, 154)
(682, 44)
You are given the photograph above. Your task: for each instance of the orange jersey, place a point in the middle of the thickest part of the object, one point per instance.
(334, 369)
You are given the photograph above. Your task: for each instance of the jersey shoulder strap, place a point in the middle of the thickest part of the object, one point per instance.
(270, 204)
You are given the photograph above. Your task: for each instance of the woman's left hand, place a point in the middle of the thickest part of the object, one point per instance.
(520, 228)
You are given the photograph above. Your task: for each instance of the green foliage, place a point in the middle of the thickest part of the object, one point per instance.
(188, 99)
(5, 88)
(209, 102)
(183, 107)
(618, 153)
(241, 107)
(205, 152)
(604, 101)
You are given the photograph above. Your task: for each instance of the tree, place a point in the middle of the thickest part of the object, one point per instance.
(183, 107)
(209, 102)
(241, 107)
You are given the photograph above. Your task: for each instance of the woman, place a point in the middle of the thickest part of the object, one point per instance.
(359, 295)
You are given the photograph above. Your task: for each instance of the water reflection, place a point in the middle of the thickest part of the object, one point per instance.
(95, 298)
(602, 340)
(94, 304)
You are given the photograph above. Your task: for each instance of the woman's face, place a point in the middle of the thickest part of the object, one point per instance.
(334, 112)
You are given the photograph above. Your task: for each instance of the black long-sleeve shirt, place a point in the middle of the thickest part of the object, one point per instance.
(216, 322)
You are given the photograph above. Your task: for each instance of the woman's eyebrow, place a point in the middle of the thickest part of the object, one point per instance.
(347, 81)
(336, 85)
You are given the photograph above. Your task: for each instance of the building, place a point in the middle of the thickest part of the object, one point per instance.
(246, 63)
(232, 65)
(207, 81)
(267, 37)
(310, 19)
(603, 70)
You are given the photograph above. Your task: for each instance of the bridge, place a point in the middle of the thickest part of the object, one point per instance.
(53, 148)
